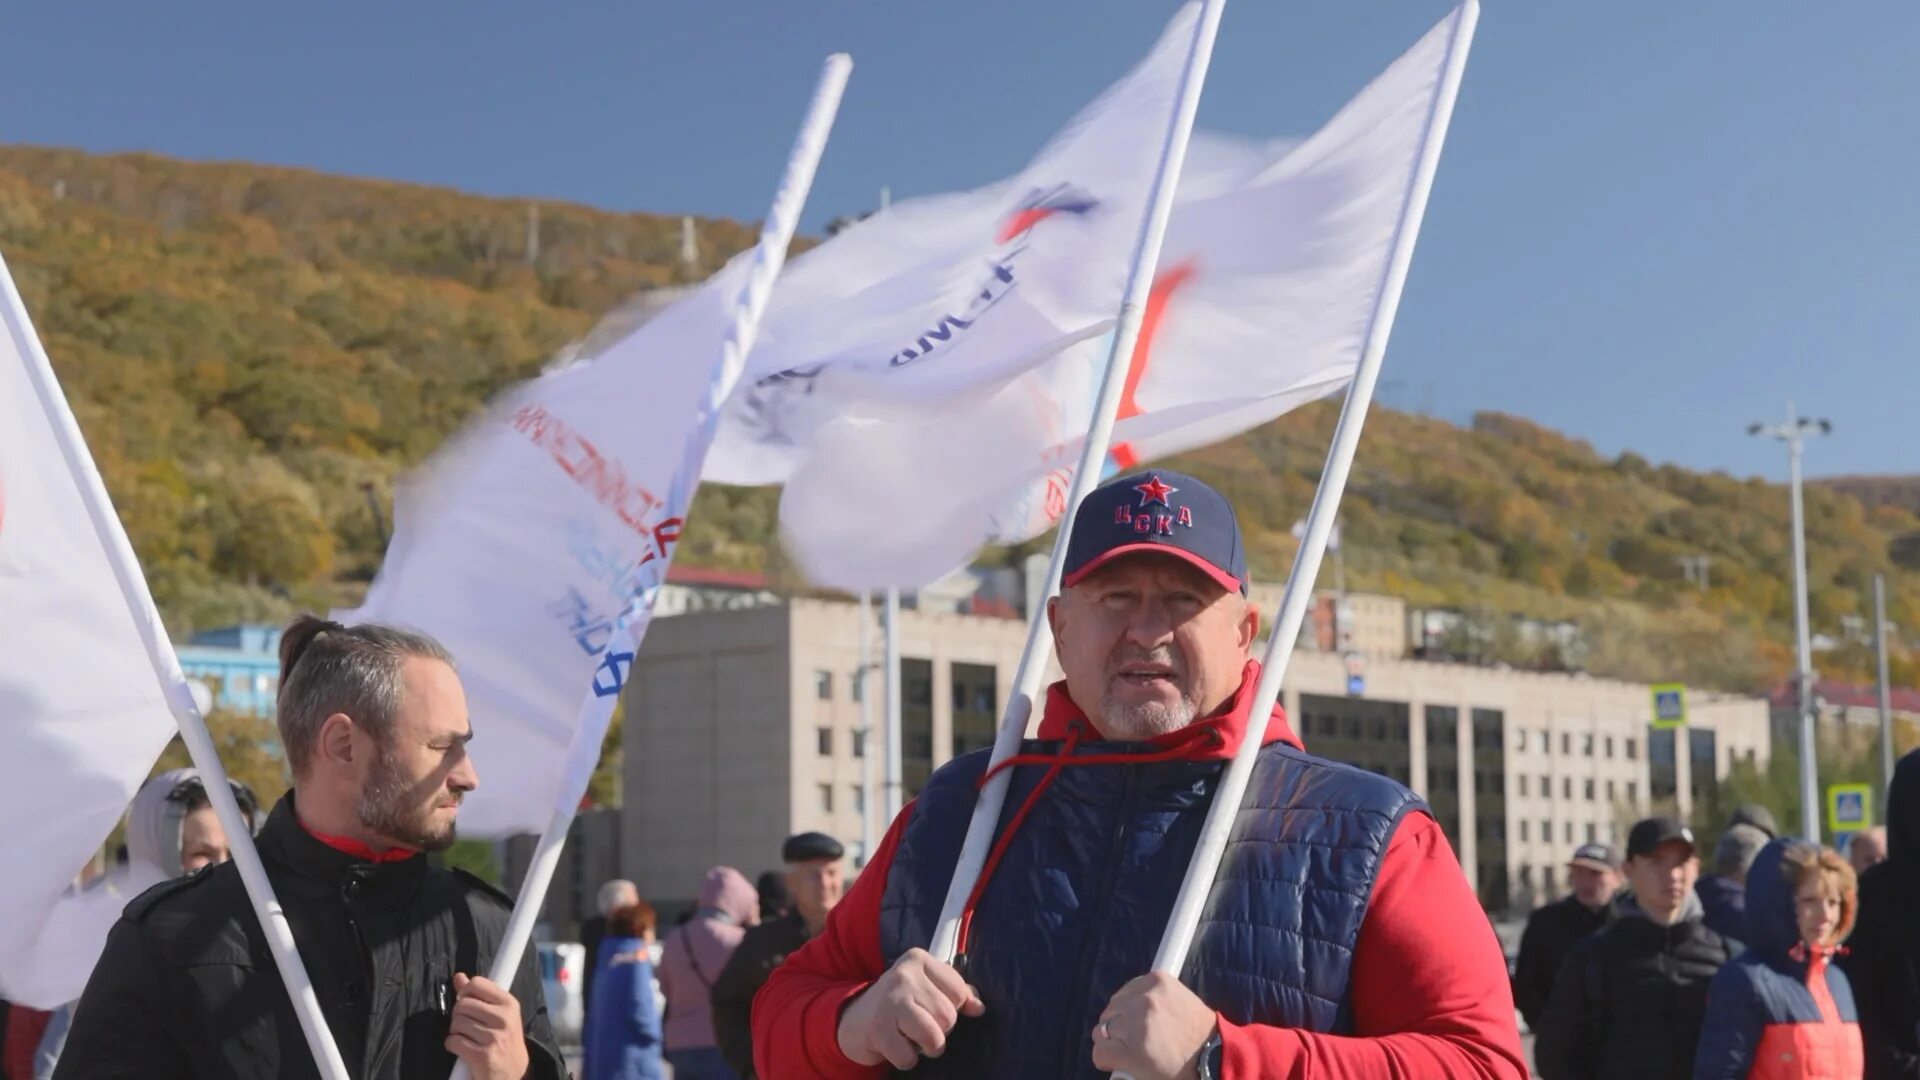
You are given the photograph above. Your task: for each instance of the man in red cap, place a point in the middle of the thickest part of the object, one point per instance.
(1341, 938)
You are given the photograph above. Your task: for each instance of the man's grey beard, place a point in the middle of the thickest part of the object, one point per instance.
(1137, 723)
(390, 807)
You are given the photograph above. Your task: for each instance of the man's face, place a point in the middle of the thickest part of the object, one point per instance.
(1593, 887)
(1149, 644)
(412, 784)
(815, 886)
(202, 841)
(1662, 878)
(1868, 849)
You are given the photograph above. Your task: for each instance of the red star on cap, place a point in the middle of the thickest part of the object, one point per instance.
(1155, 490)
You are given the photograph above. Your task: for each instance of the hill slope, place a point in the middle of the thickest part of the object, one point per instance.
(249, 348)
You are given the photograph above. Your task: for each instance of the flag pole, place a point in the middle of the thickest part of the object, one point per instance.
(1205, 865)
(1093, 454)
(173, 682)
(596, 710)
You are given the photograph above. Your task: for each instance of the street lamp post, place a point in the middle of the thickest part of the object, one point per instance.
(1794, 433)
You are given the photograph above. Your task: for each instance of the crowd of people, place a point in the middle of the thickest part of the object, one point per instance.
(696, 1016)
(1340, 937)
(1789, 961)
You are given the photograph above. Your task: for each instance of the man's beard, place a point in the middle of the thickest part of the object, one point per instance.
(1147, 719)
(401, 812)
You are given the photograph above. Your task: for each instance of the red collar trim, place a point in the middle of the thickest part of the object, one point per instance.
(1229, 721)
(346, 845)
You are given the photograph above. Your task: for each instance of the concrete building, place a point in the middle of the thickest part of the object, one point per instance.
(745, 726)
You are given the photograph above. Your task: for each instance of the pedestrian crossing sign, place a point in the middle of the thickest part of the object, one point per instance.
(1849, 807)
(1669, 705)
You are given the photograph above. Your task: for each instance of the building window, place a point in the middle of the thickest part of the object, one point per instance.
(1566, 831)
(859, 799)
(1523, 833)
(1586, 745)
(860, 743)
(1519, 738)
(1546, 786)
(1633, 792)
(1592, 833)
(1566, 788)
(826, 798)
(823, 685)
(1566, 744)
(1610, 791)
(1442, 725)
(1546, 831)
(1546, 741)
(1523, 794)
(974, 717)
(1526, 874)
(859, 682)
(823, 738)
(1609, 748)
(1553, 878)
(1633, 750)
(1589, 790)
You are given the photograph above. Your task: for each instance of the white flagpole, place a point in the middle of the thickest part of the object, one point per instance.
(1191, 902)
(891, 651)
(1093, 455)
(596, 710)
(166, 667)
(870, 800)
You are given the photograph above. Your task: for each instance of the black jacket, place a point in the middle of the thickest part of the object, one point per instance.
(1551, 934)
(764, 948)
(1883, 955)
(188, 988)
(1630, 1000)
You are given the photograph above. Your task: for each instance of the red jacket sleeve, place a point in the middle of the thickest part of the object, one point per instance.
(796, 1015)
(1429, 985)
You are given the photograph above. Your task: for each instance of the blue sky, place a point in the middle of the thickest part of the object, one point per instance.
(1654, 221)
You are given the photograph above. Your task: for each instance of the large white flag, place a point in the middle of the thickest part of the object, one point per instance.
(522, 541)
(82, 716)
(938, 297)
(1272, 269)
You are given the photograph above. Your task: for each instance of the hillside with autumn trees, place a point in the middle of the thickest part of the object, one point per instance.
(254, 351)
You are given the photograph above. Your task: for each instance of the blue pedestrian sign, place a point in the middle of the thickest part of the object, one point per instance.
(1669, 705)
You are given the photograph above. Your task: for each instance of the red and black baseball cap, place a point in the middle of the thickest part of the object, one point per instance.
(1159, 511)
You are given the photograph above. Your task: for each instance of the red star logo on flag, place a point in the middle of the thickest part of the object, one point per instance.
(1155, 490)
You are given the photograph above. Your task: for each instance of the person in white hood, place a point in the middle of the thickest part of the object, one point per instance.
(171, 831)
(172, 828)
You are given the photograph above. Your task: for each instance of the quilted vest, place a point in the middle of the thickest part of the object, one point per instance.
(1078, 903)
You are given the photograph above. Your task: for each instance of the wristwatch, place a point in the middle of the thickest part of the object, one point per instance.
(1211, 1052)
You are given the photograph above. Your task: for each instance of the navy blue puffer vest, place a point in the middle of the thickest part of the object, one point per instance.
(1077, 906)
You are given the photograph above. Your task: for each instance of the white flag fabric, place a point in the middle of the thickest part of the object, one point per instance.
(82, 715)
(519, 543)
(1272, 269)
(944, 296)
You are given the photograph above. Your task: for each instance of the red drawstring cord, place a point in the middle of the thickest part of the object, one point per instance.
(1057, 762)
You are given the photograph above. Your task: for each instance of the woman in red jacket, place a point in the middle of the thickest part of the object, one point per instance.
(1782, 1011)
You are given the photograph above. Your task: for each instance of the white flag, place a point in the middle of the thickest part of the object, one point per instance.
(82, 716)
(521, 542)
(949, 295)
(1270, 276)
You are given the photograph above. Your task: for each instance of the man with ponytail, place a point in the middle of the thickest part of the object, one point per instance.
(373, 722)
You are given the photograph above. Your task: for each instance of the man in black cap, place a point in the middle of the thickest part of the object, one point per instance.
(1552, 931)
(1631, 999)
(813, 883)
